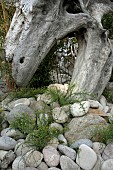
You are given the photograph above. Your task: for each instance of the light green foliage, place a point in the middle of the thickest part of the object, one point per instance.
(25, 124)
(38, 129)
(105, 133)
(66, 98)
(1, 110)
(42, 133)
(40, 137)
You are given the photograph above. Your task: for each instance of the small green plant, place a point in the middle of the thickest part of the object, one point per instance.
(109, 95)
(40, 137)
(28, 92)
(1, 110)
(38, 129)
(65, 98)
(104, 133)
(24, 124)
(1, 120)
(43, 133)
(44, 117)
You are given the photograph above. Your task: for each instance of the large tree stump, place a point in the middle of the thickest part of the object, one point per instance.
(38, 24)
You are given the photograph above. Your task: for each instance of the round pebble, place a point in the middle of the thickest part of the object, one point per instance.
(86, 157)
(7, 143)
(79, 142)
(107, 165)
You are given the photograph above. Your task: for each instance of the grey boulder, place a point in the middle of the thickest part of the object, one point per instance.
(7, 143)
(68, 164)
(18, 112)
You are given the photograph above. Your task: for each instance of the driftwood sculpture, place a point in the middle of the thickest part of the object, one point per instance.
(38, 24)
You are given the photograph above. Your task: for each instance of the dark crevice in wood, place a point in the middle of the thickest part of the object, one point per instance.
(72, 6)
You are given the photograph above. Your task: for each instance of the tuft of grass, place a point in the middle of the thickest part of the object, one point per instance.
(1, 110)
(66, 98)
(105, 133)
(28, 92)
(40, 137)
(44, 117)
(38, 129)
(1, 120)
(24, 124)
(108, 95)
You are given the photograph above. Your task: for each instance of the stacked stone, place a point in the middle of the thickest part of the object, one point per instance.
(83, 153)
(78, 150)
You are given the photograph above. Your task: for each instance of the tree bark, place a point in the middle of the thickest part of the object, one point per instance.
(94, 63)
(37, 25)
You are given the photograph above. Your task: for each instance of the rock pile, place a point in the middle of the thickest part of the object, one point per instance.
(73, 150)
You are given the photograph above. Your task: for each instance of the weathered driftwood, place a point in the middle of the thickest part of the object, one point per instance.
(38, 24)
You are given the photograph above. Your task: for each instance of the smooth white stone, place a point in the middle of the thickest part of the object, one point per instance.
(86, 157)
(79, 109)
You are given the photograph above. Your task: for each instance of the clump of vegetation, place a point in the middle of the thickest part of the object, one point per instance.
(27, 92)
(105, 133)
(66, 98)
(24, 124)
(40, 137)
(1, 110)
(38, 129)
(43, 133)
(108, 95)
(1, 119)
